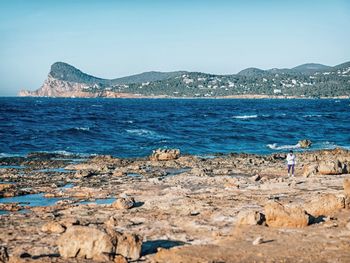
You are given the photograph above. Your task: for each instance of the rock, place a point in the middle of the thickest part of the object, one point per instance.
(196, 171)
(84, 173)
(6, 186)
(119, 173)
(165, 154)
(325, 205)
(85, 242)
(330, 167)
(4, 257)
(129, 245)
(348, 225)
(255, 178)
(310, 170)
(194, 213)
(111, 223)
(249, 217)
(346, 185)
(120, 259)
(305, 143)
(278, 215)
(124, 202)
(67, 222)
(258, 241)
(53, 227)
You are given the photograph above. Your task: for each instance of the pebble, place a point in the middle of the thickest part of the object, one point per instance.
(258, 241)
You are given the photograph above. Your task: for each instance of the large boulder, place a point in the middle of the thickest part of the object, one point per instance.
(278, 215)
(124, 202)
(85, 242)
(53, 227)
(325, 205)
(346, 185)
(165, 154)
(309, 170)
(249, 217)
(330, 167)
(129, 245)
(304, 143)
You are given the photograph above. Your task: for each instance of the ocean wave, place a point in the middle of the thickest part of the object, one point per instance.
(244, 117)
(67, 153)
(82, 128)
(274, 146)
(312, 116)
(3, 155)
(146, 133)
(73, 130)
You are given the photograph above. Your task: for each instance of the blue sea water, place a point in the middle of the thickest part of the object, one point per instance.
(135, 127)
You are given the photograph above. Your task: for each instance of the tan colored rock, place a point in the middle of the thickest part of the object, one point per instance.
(129, 245)
(196, 171)
(278, 215)
(165, 154)
(85, 242)
(346, 185)
(118, 173)
(325, 205)
(4, 257)
(250, 217)
(309, 170)
(348, 225)
(255, 178)
(124, 202)
(53, 227)
(258, 241)
(305, 143)
(4, 187)
(330, 167)
(67, 222)
(84, 173)
(120, 259)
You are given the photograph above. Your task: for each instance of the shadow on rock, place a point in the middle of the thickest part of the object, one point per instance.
(138, 204)
(150, 247)
(317, 219)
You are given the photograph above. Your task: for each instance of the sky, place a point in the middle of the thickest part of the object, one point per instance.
(111, 39)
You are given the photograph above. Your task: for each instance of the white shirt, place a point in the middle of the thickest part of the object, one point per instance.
(290, 158)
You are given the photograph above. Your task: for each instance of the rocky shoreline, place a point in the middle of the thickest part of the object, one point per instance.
(171, 207)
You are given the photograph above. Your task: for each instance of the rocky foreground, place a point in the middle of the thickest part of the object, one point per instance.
(174, 208)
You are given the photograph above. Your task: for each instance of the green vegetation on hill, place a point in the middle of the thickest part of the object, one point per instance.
(308, 80)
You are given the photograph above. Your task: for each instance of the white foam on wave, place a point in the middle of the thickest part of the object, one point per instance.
(275, 146)
(312, 116)
(10, 155)
(244, 117)
(146, 133)
(67, 153)
(62, 152)
(82, 128)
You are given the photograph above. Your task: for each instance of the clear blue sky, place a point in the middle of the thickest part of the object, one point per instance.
(116, 38)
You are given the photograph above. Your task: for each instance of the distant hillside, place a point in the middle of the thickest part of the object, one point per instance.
(310, 68)
(307, 80)
(66, 72)
(251, 72)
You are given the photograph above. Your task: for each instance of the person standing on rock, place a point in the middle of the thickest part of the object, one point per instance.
(291, 162)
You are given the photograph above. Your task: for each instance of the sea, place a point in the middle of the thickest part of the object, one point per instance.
(205, 127)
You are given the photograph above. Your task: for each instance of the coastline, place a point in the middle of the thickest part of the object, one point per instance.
(136, 96)
(185, 207)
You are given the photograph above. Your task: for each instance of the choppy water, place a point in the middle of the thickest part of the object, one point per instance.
(134, 127)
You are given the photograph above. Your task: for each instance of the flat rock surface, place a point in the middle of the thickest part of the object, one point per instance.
(183, 215)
